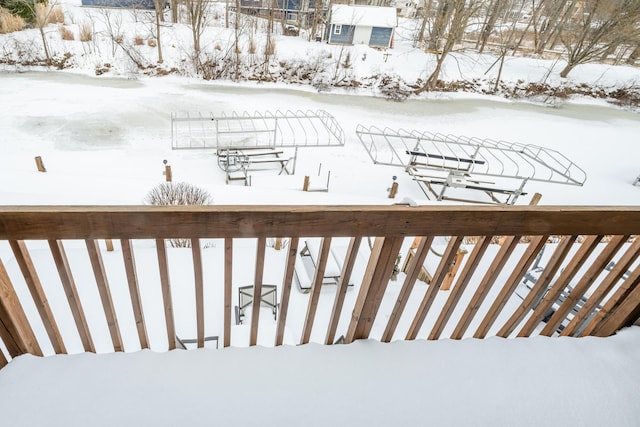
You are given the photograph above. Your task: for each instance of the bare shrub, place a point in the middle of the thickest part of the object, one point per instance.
(86, 32)
(270, 49)
(66, 33)
(152, 43)
(138, 40)
(57, 15)
(46, 15)
(178, 194)
(10, 23)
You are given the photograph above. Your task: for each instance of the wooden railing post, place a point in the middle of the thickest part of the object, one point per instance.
(286, 289)
(343, 284)
(73, 298)
(228, 288)
(316, 286)
(257, 290)
(105, 293)
(375, 281)
(15, 330)
(134, 292)
(37, 292)
(165, 284)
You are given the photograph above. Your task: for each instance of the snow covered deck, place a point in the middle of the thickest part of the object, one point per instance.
(525, 382)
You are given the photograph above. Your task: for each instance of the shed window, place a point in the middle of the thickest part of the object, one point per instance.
(337, 30)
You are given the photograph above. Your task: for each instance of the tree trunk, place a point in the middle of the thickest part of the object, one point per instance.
(44, 43)
(631, 59)
(567, 69)
(425, 17)
(174, 11)
(237, 44)
(158, 6)
(493, 12)
(442, 17)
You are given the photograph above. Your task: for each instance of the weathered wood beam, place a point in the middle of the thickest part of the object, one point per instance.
(583, 285)
(343, 284)
(37, 293)
(105, 293)
(553, 293)
(196, 254)
(535, 246)
(286, 289)
(374, 283)
(626, 312)
(257, 290)
(165, 285)
(438, 277)
(316, 286)
(151, 222)
(413, 271)
(541, 286)
(134, 292)
(624, 263)
(490, 277)
(15, 329)
(465, 277)
(601, 325)
(228, 288)
(70, 290)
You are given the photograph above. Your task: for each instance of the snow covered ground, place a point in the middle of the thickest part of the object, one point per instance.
(492, 383)
(103, 141)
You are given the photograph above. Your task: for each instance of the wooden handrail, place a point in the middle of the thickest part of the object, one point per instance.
(599, 303)
(147, 222)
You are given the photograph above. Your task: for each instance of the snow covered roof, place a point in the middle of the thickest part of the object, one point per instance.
(372, 16)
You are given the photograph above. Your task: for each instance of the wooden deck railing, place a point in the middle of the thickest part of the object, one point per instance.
(579, 287)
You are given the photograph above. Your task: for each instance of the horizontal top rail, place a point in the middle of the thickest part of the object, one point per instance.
(146, 222)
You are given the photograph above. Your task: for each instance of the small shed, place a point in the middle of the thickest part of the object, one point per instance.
(370, 25)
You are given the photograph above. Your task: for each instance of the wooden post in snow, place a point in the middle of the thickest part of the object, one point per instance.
(305, 186)
(535, 199)
(394, 190)
(167, 173)
(109, 244)
(40, 164)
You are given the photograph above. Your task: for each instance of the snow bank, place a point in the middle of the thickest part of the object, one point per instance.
(492, 382)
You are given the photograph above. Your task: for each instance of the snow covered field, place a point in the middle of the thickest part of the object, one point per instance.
(103, 141)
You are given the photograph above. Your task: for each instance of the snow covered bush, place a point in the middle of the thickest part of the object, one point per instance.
(178, 194)
(393, 87)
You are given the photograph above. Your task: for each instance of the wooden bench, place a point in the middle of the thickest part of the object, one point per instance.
(231, 159)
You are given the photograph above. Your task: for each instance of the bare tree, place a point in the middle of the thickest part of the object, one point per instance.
(159, 11)
(269, 43)
(458, 15)
(601, 25)
(442, 19)
(196, 13)
(316, 18)
(426, 12)
(236, 46)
